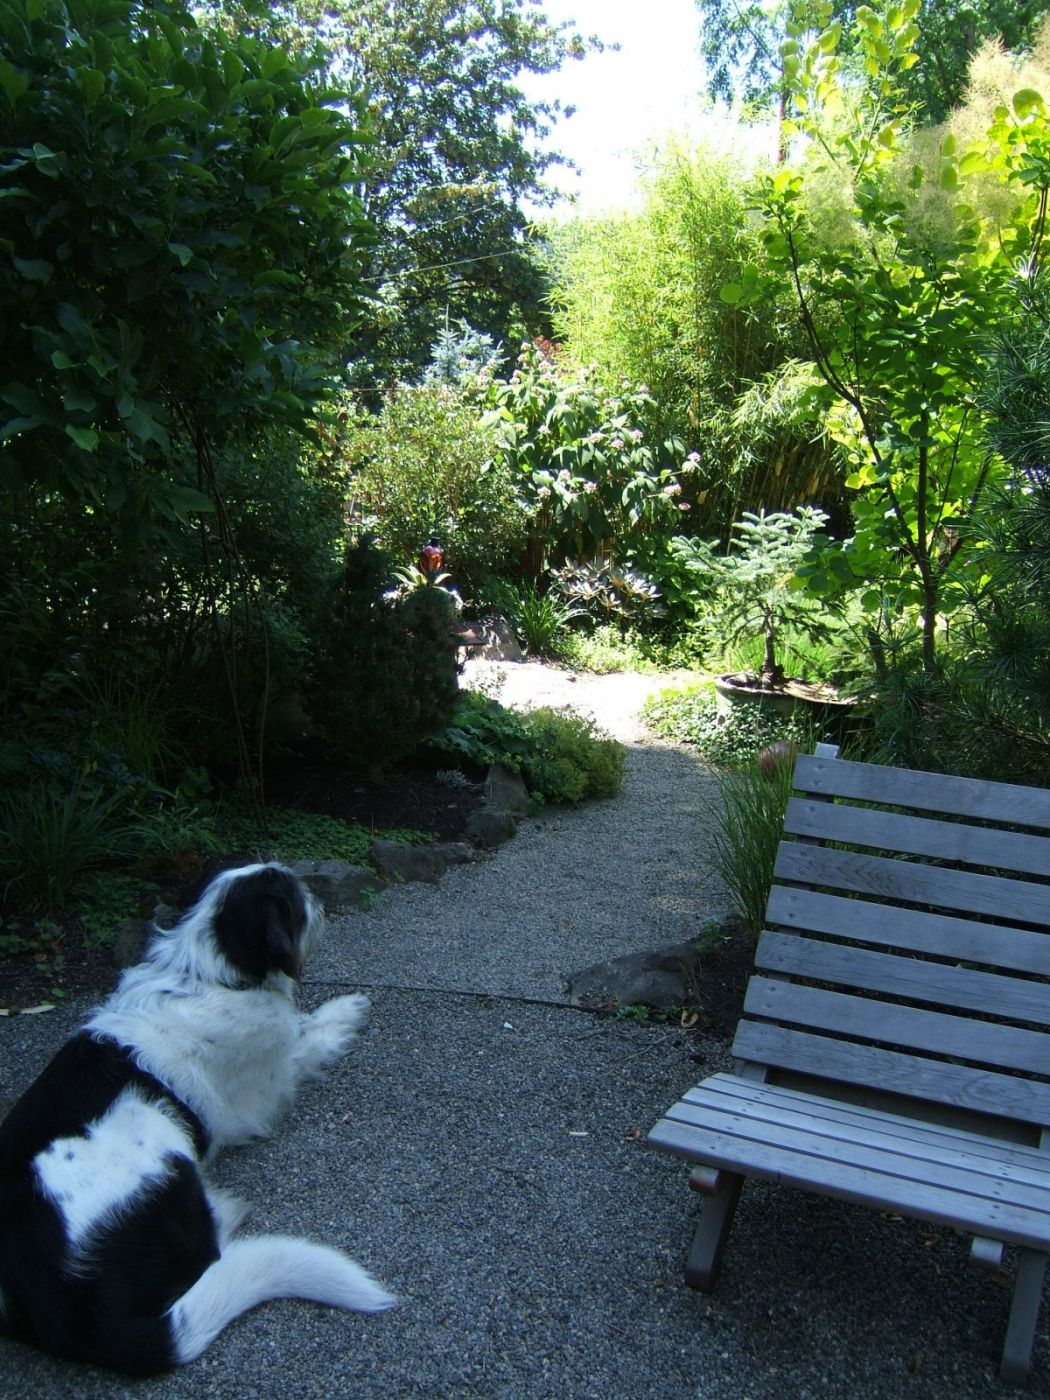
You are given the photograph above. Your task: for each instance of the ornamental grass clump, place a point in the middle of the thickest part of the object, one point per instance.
(754, 799)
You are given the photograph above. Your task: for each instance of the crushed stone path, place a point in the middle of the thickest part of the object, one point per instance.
(573, 887)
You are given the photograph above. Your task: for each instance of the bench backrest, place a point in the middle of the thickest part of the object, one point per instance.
(907, 942)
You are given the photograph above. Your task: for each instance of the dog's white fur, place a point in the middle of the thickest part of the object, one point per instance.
(234, 1054)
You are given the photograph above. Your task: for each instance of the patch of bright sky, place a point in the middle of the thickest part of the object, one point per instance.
(628, 101)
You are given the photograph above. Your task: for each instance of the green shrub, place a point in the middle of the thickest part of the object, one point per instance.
(427, 466)
(570, 758)
(692, 716)
(562, 756)
(385, 676)
(541, 620)
(483, 732)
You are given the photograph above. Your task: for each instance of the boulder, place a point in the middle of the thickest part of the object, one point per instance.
(456, 852)
(661, 978)
(506, 791)
(129, 941)
(498, 639)
(398, 861)
(334, 882)
(489, 827)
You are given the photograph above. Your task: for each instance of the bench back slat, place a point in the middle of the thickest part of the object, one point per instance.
(922, 1079)
(911, 1028)
(912, 979)
(892, 879)
(908, 942)
(919, 836)
(1008, 803)
(917, 930)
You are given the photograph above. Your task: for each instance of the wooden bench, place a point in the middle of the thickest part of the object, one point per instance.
(893, 1049)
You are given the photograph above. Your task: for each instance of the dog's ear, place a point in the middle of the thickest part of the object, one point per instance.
(259, 926)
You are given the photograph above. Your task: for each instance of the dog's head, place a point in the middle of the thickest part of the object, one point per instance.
(259, 921)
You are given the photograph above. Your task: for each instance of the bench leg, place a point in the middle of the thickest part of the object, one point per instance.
(1024, 1314)
(712, 1232)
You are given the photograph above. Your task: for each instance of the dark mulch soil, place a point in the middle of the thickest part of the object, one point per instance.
(722, 981)
(411, 797)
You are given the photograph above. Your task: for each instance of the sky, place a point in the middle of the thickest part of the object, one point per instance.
(625, 100)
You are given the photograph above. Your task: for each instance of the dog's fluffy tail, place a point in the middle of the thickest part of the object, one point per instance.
(251, 1271)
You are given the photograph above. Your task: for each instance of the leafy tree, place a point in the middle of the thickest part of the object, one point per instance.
(181, 247)
(742, 44)
(638, 297)
(456, 154)
(897, 278)
(179, 260)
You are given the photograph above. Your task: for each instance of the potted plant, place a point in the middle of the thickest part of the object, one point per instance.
(753, 594)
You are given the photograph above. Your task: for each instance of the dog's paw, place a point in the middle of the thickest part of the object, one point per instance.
(331, 1028)
(351, 1013)
(228, 1212)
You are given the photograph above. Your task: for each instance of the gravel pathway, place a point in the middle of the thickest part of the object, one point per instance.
(482, 1151)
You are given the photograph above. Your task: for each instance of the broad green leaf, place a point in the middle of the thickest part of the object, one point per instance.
(34, 269)
(12, 82)
(14, 427)
(86, 438)
(185, 499)
(181, 251)
(1027, 101)
(93, 85)
(21, 397)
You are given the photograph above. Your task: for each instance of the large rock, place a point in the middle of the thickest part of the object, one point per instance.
(662, 978)
(506, 791)
(398, 861)
(489, 827)
(130, 940)
(498, 640)
(335, 883)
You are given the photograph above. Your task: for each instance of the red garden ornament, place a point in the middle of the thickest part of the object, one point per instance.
(431, 558)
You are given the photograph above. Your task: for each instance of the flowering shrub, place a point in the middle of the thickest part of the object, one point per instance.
(585, 467)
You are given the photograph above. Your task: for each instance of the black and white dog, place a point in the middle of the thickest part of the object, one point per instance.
(114, 1249)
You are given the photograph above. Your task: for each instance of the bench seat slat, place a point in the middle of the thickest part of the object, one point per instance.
(867, 1185)
(886, 878)
(1009, 1047)
(926, 792)
(918, 836)
(924, 1157)
(926, 1133)
(910, 978)
(940, 934)
(873, 1066)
